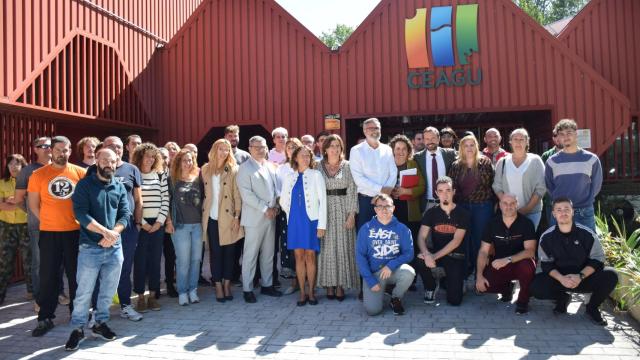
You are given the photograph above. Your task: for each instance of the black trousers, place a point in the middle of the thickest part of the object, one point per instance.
(56, 248)
(220, 257)
(455, 273)
(169, 259)
(600, 284)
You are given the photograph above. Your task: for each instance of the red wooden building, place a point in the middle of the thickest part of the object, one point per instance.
(183, 69)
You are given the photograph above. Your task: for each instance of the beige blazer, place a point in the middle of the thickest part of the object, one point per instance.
(229, 204)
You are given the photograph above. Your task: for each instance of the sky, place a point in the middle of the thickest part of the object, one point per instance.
(324, 15)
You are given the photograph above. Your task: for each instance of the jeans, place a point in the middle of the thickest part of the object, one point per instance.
(129, 243)
(95, 261)
(187, 241)
(402, 277)
(585, 216)
(56, 248)
(147, 260)
(535, 219)
(481, 213)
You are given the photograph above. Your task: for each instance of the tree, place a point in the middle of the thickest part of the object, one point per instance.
(548, 11)
(337, 36)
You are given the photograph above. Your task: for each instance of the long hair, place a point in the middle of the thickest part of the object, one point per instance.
(176, 165)
(229, 162)
(138, 156)
(462, 156)
(6, 174)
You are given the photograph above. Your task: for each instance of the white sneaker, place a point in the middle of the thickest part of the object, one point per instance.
(92, 319)
(128, 312)
(193, 296)
(183, 299)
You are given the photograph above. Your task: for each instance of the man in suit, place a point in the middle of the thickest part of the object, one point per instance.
(257, 184)
(434, 162)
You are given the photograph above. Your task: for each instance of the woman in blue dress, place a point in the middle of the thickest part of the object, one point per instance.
(304, 200)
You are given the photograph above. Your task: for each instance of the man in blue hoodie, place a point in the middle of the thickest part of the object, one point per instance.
(101, 207)
(383, 250)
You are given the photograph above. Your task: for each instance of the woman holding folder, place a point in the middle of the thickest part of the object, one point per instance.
(409, 187)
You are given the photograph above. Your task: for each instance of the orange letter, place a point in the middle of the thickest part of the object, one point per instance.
(415, 39)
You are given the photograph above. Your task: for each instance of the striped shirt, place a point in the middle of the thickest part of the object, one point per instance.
(577, 176)
(155, 197)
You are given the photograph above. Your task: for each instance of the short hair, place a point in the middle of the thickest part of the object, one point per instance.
(523, 132)
(98, 152)
(131, 137)
(448, 130)
(113, 137)
(383, 197)
(327, 143)
(322, 133)
(510, 195)
(60, 139)
(416, 134)
(561, 199)
(565, 124)
(444, 180)
(257, 138)
(402, 138)
(492, 130)
(232, 129)
(371, 120)
(431, 129)
(307, 136)
(279, 130)
(6, 174)
(83, 142)
(138, 156)
(294, 162)
(40, 138)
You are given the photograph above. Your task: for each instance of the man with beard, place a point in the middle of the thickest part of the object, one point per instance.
(130, 176)
(100, 205)
(433, 163)
(448, 224)
(50, 190)
(493, 150)
(418, 142)
(373, 168)
(232, 134)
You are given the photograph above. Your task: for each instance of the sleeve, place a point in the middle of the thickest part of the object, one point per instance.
(164, 199)
(136, 177)
(322, 197)
(596, 178)
(547, 262)
(486, 234)
(498, 186)
(352, 192)
(529, 232)
(539, 181)
(285, 197)
(362, 258)
(237, 200)
(427, 218)
(548, 176)
(357, 172)
(487, 174)
(596, 254)
(393, 170)
(22, 181)
(464, 220)
(124, 213)
(406, 250)
(81, 200)
(419, 190)
(33, 184)
(246, 191)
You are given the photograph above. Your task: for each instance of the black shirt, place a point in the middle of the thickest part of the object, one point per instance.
(508, 241)
(443, 226)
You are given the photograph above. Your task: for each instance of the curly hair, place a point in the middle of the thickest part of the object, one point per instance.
(139, 153)
(402, 138)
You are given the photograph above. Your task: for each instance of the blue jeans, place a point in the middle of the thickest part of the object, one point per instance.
(129, 243)
(95, 261)
(147, 260)
(481, 213)
(535, 219)
(585, 216)
(187, 240)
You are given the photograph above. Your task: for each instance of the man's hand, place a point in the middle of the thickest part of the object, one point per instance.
(376, 288)
(575, 278)
(106, 243)
(569, 282)
(428, 258)
(271, 213)
(111, 236)
(500, 263)
(482, 284)
(387, 190)
(385, 273)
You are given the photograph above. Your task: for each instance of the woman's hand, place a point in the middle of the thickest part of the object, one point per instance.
(351, 222)
(320, 233)
(155, 227)
(168, 228)
(146, 227)
(235, 225)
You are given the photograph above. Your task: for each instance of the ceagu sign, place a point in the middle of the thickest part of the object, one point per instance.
(440, 32)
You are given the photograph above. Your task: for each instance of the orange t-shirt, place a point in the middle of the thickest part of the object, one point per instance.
(55, 187)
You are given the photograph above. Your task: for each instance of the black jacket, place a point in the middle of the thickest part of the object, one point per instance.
(569, 253)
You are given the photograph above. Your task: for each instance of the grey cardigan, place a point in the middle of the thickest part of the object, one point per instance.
(532, 180)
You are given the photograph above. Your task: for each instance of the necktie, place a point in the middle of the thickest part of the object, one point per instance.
(434, 175)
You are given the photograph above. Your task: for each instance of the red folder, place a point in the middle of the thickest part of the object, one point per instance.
(408, 182)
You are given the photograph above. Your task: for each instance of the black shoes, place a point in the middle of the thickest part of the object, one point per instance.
(103, 331)
(171, 290)
(249, 298)
(595, 316)
(507, 295)
(270, 291)
(203, 281)
(313, 301)
(76, 337)
(43, 327)
(303, 302)
(562, 303)
(522, 308)
(396, 306)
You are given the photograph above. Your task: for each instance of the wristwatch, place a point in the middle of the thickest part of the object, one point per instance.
(581, 275)
(510, 260)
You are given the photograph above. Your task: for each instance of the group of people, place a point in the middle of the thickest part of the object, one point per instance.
(301, 210)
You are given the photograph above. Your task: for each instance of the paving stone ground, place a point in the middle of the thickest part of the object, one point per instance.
(482, 328)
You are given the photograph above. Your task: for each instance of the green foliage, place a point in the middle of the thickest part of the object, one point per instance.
(548, 11)
(337, 36)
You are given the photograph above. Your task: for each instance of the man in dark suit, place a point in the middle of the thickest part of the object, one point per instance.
(434, 162)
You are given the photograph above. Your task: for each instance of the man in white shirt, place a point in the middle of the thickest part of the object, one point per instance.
(278, 154)
(373, 168)
(434, 162)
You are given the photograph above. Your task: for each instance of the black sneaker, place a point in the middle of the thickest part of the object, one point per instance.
(522, 308)
(396, 306)
(102, 330)
(249, 298)
(595, 317)
(507, 295)
(171, 290)
(43, 327)
(270, 291)
(76, 337)
(203, 281)
(562, 303)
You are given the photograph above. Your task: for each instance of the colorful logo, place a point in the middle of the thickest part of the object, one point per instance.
(441, 32)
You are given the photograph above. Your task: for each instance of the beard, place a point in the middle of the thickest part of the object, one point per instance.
(445, 202)
(61, 160)
(105, 172)
(431, 147)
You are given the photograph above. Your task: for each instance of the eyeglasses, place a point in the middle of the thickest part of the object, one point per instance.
(372, 128)
(43, 146)
(384, 207)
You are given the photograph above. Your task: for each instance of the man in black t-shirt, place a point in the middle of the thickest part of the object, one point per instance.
(447, 224)
(513, 240)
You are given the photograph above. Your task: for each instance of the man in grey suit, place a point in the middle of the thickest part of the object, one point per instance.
(257, 184)
(434, 162)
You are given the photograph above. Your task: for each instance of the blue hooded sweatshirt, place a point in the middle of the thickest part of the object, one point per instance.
(380, 245)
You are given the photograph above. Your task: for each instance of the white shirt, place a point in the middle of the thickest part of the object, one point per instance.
(276, 157)
(372, 169)
(514, 178)
(442, 171)
(215, 186)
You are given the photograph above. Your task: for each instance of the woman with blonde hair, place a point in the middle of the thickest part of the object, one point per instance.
(186, 191)
(472, 175)
(221, 215)
(155, 208)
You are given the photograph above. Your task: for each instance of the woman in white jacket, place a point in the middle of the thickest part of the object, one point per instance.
(304, 200)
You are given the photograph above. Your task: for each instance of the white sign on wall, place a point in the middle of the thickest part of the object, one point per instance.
(584, 138)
